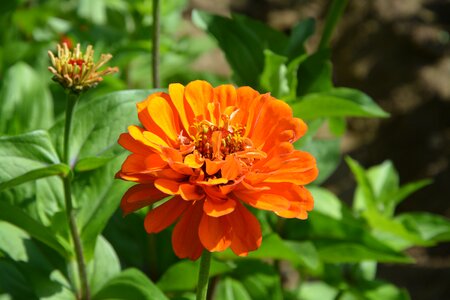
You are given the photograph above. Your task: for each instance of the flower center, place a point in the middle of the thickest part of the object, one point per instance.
(213, 142)
(78, 62)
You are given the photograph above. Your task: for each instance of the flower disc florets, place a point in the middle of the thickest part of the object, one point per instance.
(76, 71)
(215, 151)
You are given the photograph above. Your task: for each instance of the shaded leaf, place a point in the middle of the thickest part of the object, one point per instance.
(231, 289)
(430, 227)
(130, 284)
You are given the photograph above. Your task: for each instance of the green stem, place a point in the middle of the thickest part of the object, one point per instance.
(85, 293)
(155, 48)
(203, 275)
(334, 14)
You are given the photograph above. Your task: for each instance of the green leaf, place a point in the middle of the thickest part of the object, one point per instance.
(104, 266)
(273, 247)
(337, 102)
(273, 77)
(327, 154)
(14, 215)
(364, 185)
(39, 266)
(335, 233)
(384, 182)
(241, 46)
(97, 124)
(337, 125)
(375, 290)
(57, 169)
(300, 33)
(231, 289)
(430, 227)
(130, 284)
(25, 101)
(317, 290)
(14, 283)
(314, 74)
(98, 196)
(409, 188)
(259, 279)
(172, 281)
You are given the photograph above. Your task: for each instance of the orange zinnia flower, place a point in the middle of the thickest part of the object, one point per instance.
(214, 151)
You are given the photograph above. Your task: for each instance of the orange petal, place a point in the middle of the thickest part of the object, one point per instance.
(198, 94)
(226, 94)
(176, 92)
(167, 186)
(214, 233)
(191, 192)
(162, 115)
(139, 196)
(213, 166)
(193, 160)
(232, 168)
(185, 239)
(246, 231)
(132, 145)
(218, 207)
(267, 200)
(136, 163)
(164, 215)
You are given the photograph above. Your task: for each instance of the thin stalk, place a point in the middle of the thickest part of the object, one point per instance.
(203, 275)
(84, 293)
(155, 48)
(334, 14)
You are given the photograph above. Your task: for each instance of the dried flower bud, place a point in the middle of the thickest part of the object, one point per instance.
(76, 71)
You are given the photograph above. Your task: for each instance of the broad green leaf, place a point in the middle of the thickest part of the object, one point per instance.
(392, 232)
(367, 193)
(430, 227)
(242, 47)
(231, 289)
(98, 196)
(375, 290)
(300, 33)
(335, 233)
(37, 266)
(337, 125)
(13, 282)
(337, 102)
(291, 75)
(56, 169)
(273, 247)
(104, 265)
(384, 181)
(97, 124)
(273, 77)
(409, 188)
(94, 11)
(172, 281)
(130, 284)
(327, 154)
(316, 290)
(25, 101)
(348, 252)
(314, 75)
(259, 279)
(16, 216)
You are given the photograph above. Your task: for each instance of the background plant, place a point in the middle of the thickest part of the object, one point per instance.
(335, 252)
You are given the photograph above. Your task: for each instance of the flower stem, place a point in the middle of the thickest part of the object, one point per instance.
(155, 48)
(85, 293)
(203, 275)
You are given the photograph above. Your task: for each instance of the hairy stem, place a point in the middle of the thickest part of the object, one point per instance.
(84, 293)
(203, 275)
(155, 48)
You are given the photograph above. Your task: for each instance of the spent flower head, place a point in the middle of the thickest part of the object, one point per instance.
(76, 71)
